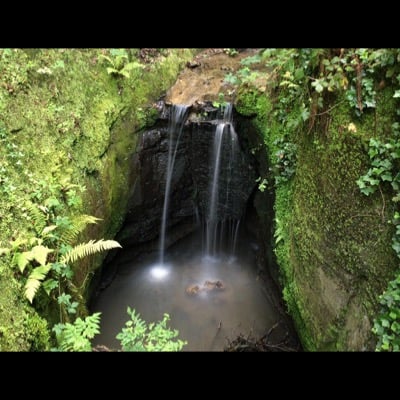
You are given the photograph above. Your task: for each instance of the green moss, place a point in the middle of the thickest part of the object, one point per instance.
(334, 256)
(21, 328)
(65, 118)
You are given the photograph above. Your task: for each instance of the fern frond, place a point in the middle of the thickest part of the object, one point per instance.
(22, 260)
(78, 224)
(35, 280)
(48, 229)
(40, 253)
(38, 217)
(85, 249)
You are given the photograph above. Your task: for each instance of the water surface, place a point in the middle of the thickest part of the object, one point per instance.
(204, 319)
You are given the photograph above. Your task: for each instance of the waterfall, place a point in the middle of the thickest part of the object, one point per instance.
(221, 230)
(212, 221)
(176, 122)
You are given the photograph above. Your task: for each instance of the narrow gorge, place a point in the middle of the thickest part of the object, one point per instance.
(253, 193)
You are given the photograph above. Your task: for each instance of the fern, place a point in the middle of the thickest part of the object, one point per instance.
(138, 336)
(38, 253)
(38, 215)
(69, 233)
(76, 336)
(34, 281)
(85, 249)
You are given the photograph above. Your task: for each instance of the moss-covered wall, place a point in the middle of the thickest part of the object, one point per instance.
(65, 119)
(334, 251)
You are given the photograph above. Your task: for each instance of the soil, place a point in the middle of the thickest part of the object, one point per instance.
(203, 78)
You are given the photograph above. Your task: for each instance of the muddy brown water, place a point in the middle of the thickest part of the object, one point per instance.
(205, 319)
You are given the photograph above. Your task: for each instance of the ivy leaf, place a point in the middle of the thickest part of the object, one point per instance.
(387, 177)
(396, 247)
(385, 323)
(368, 190)
(305, 114)
(319, 88)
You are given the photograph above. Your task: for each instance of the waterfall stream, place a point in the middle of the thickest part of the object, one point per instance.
(177, 120)
(220, 228)
(209, 281)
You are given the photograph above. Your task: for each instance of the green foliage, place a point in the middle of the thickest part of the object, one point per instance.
(63, 256)
(387, 324)
(231, 52)
(85, 249)
(77, 336)
(385, 168)
(34, 281)
(65, 153)
(37, 328)
(138, 336)
(279, 231)
(119, 63)
(285, 162)
(384, 164)
(220, 103)
(262, 184)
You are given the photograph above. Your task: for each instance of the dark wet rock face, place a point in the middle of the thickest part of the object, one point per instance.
(190, 186)
(236, 178)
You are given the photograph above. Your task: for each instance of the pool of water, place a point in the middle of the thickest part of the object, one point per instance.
(204, 318)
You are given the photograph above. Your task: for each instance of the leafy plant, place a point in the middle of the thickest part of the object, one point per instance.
(231, 52)
(138, 336)
(385, 168)
(53, 259)
(279, 229)
(387, 324)
(220, 103)
(285, 162)
(262, 184)
(119, 63)
(77, 336)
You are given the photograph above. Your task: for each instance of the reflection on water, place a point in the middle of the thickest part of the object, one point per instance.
(205, 316)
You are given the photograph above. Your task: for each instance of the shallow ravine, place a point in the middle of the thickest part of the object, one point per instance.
(205, 319)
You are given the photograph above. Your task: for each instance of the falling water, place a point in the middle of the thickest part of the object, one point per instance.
(212, 221)
(219, 230)
(176, 122)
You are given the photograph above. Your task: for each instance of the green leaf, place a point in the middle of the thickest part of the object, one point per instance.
(392, 315)
(39, 253)
(385, 323)
(34, 281)
(299, 73)
(22, 260)
(111, 70)
(52, 202)
(49, 285)
(85, 249)
(368, 190)
(387, 177)
(319, 88)
(48, 229)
